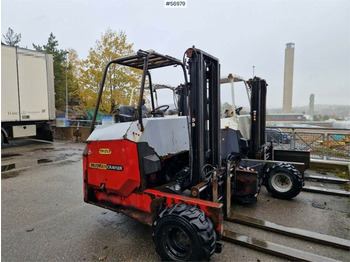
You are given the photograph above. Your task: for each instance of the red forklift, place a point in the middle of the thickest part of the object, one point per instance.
(165, 171)
(174, 173)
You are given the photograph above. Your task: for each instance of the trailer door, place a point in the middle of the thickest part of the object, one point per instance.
(9, 85)
(33, 91)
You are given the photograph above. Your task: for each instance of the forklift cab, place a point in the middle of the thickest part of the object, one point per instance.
(145, 61)
(234, 119)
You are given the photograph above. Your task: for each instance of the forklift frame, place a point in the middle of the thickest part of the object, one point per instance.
(145, 61)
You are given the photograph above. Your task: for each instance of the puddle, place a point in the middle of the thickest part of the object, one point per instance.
(44, 149)
(43, 161)
(8, 167)
(9, 155)
(25, 164)
(9, 174)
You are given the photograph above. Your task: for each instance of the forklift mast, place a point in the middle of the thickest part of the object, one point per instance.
(258, 115)
(204, 112)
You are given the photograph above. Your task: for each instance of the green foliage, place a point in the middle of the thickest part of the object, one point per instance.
(60, 71)
(120, 80)
(11, 38)
(84, 77)
(59, 68)
(73, 78)
(322, 170)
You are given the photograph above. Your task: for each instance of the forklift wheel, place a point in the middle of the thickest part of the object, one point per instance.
(283, 181)
(183, 232)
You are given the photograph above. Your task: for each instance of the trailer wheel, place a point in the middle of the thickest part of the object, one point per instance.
(3, 137)
(183, 232)
(283, 181)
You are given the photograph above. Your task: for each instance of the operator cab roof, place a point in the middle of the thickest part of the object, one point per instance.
(156, 60)
(230, 77)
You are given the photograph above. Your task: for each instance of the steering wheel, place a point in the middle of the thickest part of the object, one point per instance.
(154, 111)
(238, 110)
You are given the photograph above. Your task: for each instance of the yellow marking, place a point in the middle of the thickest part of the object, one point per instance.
(98, 166)
(105, 151)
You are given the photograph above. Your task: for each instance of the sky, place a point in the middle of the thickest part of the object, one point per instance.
(242, 34)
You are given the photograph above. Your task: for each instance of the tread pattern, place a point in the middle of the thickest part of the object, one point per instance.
(297, 180)
(198, 221)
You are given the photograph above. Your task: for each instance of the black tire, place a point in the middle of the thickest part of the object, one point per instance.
(4, 139)
(183, 232)
(283, 181)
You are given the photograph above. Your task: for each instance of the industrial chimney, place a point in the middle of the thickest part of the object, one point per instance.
(311, 106)
(288, 78)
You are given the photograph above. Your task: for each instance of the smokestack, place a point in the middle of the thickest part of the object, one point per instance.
(288, 78)
(311, 106)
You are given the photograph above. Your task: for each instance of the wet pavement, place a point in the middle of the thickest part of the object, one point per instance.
(44, 217)
(23, 154)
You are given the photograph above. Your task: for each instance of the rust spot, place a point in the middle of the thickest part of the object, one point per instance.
(157, 205)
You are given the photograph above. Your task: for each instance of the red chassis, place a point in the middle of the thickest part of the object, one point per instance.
(114, 182)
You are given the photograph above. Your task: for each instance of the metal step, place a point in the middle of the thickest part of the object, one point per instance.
(272, 248)
(326, 191)
(289, 231)
(325, 179)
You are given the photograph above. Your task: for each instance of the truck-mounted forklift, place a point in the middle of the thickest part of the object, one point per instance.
(165, 171)
(175, 173)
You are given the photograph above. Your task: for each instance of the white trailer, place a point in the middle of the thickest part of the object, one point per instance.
(27, 94)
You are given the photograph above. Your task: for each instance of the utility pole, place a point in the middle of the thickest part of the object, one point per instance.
(253, 71)
(67, 85)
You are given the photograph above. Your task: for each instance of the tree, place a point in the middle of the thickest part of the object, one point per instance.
(74, 65)
(11, 38)
(120, 79)
(59, 66)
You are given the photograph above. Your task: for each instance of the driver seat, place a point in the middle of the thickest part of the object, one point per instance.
(158, 113)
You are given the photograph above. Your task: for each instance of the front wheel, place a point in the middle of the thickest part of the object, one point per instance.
(283, 181)
(183, 232)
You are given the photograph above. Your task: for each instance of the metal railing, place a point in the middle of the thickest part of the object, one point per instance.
(78, 123)
(323, 143)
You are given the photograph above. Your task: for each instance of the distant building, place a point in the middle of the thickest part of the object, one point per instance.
(288, 78)
(285, 117)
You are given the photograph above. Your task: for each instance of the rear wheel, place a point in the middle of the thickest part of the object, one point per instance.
(283, 181)
(3, 138)
(183, 232)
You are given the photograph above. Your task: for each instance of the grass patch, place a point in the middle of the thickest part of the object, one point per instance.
(339, 173)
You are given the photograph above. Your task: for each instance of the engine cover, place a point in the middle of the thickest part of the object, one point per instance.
(166, 135)
(113, 166)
